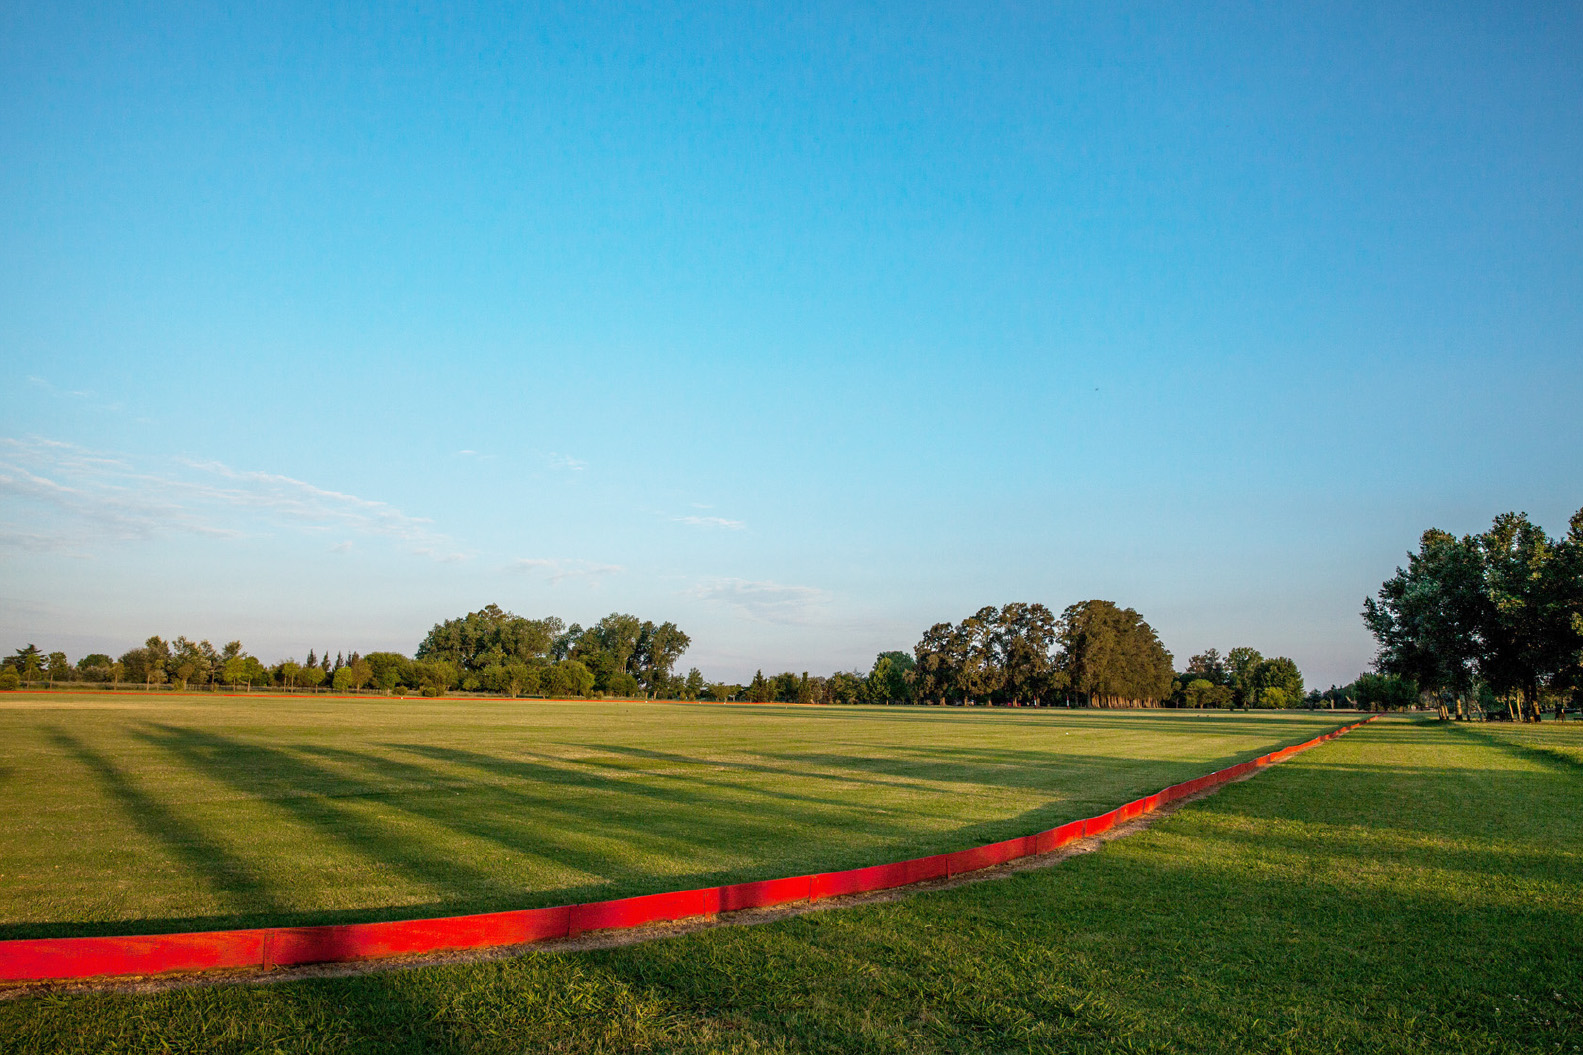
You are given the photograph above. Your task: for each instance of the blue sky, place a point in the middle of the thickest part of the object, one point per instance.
(805, 329)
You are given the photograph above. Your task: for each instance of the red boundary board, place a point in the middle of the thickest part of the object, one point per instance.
(60, 959)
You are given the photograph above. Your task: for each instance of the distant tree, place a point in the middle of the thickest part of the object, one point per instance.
(27, 662)
(353, 676)
(1112, 656)
(570, 678)
(490, 637)
(693, 686)
(623, 684)
(1501, 610)
(1279, 683)
(433, 676)
(758, 690)
(1242, 665)
(96, 666)
(311, 677)
(514, 678)
(1208, 666)
(1025, 635)
(1385, 692)
(57, 668)
(937, 663)
(243, 670)
(658, 649)
(190, 661)
(1429, 619)
(388, 670)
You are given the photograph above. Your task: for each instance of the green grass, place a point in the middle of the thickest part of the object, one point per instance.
(1407, 888)
(146, 814)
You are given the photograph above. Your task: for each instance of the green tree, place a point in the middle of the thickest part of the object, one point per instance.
(937, 662)
(388, 670)
(1024, 638)
(1112, 656)
(570, 678)
(1385, 692)
(1430, 617)
(243, 670)
(27, 662)
(758, 690)
(489, 637)
(57, 668)
(658, 649)
(1242, 666)
(1499, 610)
(623, 684)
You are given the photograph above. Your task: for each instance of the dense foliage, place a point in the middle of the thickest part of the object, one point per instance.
(1497, 614)
(1096, 653)
(1240, 678)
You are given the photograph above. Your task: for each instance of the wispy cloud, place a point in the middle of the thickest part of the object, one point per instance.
(768, 602)
(565, 462)
(557, 570)
(85, 395)
(86, 496)
(711, 522)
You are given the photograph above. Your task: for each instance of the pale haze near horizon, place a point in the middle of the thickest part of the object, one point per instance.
(804, 331)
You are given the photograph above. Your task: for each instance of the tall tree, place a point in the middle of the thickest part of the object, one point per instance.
(1026, 636)
(1430, 617)
(658, 649)
(1499, 609)
(1110, 655)
(937, 663)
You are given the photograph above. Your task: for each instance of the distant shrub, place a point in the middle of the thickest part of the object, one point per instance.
(9, 680)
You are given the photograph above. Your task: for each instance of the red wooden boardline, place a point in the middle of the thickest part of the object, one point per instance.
(61, 959)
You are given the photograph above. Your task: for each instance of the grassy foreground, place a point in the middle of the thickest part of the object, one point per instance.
(147, 814)
(1408, 888)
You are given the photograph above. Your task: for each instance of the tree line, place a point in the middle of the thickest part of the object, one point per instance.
(1096, 653)
(1488, 624)
(489, 650)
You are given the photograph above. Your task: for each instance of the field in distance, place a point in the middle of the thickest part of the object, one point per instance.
(132, 814)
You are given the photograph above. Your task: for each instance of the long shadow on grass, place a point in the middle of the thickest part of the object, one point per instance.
(222, 871)
(674, 758)
(536, 821)
(1558, 760)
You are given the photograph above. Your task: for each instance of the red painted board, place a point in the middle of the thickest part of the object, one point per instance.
(1056, 838)
(37, 959)
(287, 946)
(765, 893)
(636, 911)
(977, 857)
(922, 869)
(1103, 823)
(860, 880)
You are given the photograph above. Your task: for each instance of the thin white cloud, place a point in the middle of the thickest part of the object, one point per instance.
(87, 496)
(768, 602)
(557, 570)
(565, 462)
(711, 522)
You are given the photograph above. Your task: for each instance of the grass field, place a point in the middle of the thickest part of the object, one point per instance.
(140, 814)
(1408, 888)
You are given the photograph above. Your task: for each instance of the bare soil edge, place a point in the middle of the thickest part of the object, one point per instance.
(601, 939)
